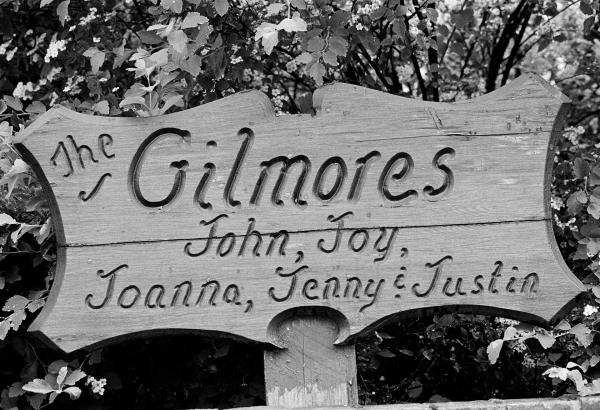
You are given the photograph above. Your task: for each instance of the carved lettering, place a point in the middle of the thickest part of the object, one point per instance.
(435, 194)
(340, 170)
(112, 277)
(136, 165)
(237, 166)
(387, 174)
(285, 164)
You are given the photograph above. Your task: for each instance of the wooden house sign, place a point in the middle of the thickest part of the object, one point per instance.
(225, 217)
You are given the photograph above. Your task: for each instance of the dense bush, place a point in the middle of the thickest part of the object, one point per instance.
(149, 57)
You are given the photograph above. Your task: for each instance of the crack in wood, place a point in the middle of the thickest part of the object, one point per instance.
(461, 134)
(526, 220)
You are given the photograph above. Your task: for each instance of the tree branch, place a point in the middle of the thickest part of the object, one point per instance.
(516, 44)
(374, 66)
(415, 63)
(500, 47)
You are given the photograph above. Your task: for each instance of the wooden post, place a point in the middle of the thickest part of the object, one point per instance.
(310, 370)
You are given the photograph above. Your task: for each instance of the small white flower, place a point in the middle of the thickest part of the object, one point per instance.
(236, 60)
(11, 54)
(557, 203)
(19, 90)
(589, 310)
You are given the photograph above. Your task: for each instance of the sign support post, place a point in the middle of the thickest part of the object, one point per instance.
(310, 371)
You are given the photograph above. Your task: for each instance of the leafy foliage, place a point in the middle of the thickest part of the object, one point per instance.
(151, 57)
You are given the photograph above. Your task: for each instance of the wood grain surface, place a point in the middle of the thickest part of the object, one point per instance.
(222, 217)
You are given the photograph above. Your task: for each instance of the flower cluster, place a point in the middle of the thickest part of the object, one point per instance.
(97, 385)
(365, 10)
(54, 48)
(573, 133)
(24, 91)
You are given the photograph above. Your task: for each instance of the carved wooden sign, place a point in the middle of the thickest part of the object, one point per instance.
(225, 217)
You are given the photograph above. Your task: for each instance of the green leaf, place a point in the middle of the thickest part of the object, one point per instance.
(62, 11)
(160, 58)
(510, 333)
(16, 390)
(581, 168)
(13, 102)
(35, 400)
(56, 365)
(193, 19)
(591, 388)
(62, 373)
(385, 353)
(443, 30)
(464, 18)
(315, 44)
(38, 386)
(149, 37)
(132, 100)
(74, 376)
(586, 8)
(174, 5)
(299, 4)
(545, 339)
(329, 57)
(576, 377)
(594, 209)
(52, 397)
(274, 9)
(221, 6)
(269, 35)
(17, 318)
(338, 45)
(35, 305)
(36, 107)
(304, 58)
(102, 107)
(591, 229)
(95, 357)
(339, 18)
(121, 56)
(171, 101)
(14, 303)
(4, 328)
(317, 71)
(73, 392)
(96, 58)
(292, 24)
(574, 206)
(493, 350)
(588, 23)
(582, 333)
(563, 325)
(6, 219)
(178, 40)
(415, 389)
(44, 3)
